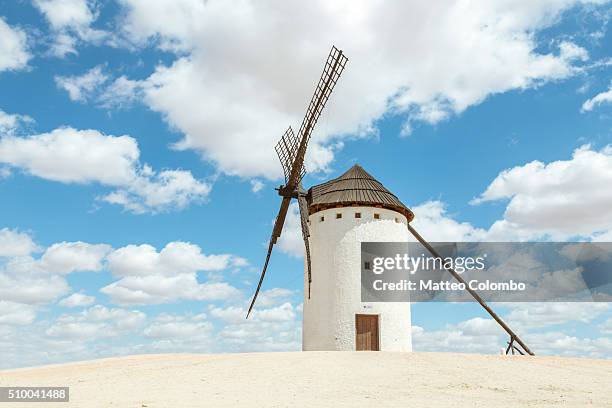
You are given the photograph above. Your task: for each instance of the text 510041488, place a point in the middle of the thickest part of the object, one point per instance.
(34, 394)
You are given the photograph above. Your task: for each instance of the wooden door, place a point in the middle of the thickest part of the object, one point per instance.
(366, 330)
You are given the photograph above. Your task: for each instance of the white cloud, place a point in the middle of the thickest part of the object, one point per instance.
(77, 300)
(65, 13)
(14, 52)
(559, 343)
(70, 155)
(14, 243)
(28, 280)
(67, 257)
(606, 327)
(123, 92)
(96, 322)
(433, 222)
(166, 190)
(145, 275)
(174, 258)
(12, 313)
(181, 333)
(231, 314)
(150, 277)
(87, 156)
(272, 297)
(281, 313)
(485, 336)
(284, 312)
(70, 21)
(256, 185)
(537, 315)
(81, 87)
(561, 199)
(10, 123)
(31, 288)
(599, 99)
(276, 328)
(63, 44)
(179, 327)
(476, 335)
(232, 93)
(570, 51)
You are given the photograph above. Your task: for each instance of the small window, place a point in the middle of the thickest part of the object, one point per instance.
(397, 219)
(376, 216)
(357, 215)
(367, 266)
(338, 215)
(322, 218)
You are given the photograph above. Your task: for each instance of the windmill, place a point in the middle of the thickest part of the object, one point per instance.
(363, 195)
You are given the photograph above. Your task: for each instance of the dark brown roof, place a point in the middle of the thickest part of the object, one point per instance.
(355, 187)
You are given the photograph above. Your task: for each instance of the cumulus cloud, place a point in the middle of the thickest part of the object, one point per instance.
(15, 243)
(29, 282)
(174, 333)
(476, 335)
(77, 300)
(606, 327)
(70, 22)
(67, 257)
(14, 53)
(42, 280)
(256, 185)
(88, 156)
(19, 314)
(233, 314)
(432, 219)
(559, 343)
(81, 87)
(274, 296)
(275, 328)
(34, 288)
(121, 93)
(232, 93)
(486, 336)
(73, 156)
(561, 199)
(537, 315)
(599, 99)
(147, 276)
(96, 322)
(10, 123)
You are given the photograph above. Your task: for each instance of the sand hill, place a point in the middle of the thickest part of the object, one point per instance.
(325, 379)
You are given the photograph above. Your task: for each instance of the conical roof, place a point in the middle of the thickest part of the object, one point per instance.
(356, 187)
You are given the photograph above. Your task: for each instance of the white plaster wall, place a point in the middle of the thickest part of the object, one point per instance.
(329, 315)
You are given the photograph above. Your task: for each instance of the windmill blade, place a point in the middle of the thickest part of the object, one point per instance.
(276, 232)
(305, 234)
(331, 73)
(286, 149)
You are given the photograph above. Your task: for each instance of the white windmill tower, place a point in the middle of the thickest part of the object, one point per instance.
(336, 217)
(344, 212)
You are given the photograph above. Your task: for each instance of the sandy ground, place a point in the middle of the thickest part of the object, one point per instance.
(324, 379)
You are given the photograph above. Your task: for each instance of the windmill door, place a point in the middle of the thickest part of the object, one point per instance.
(366, 329)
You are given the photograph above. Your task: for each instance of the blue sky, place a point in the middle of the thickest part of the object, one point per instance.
(130, 123)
